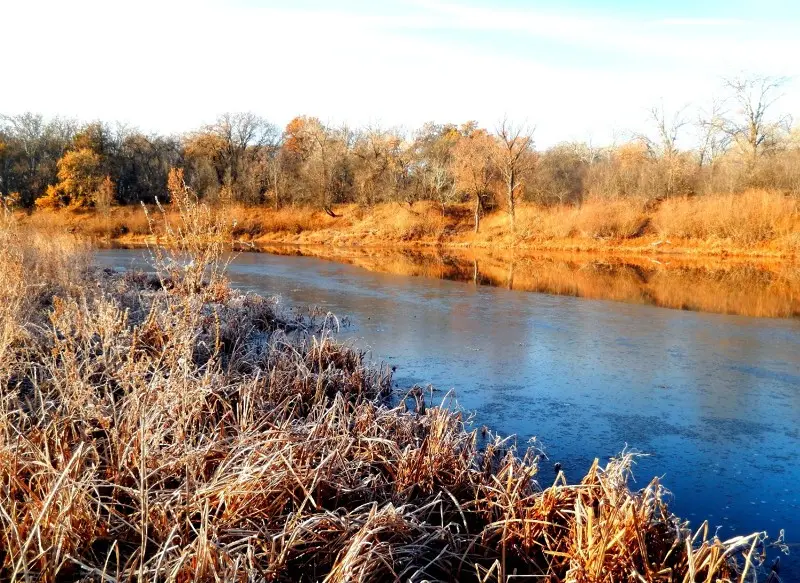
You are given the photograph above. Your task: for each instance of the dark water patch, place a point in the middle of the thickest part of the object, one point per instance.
(761, 372)
(734, 428)
(642, 429)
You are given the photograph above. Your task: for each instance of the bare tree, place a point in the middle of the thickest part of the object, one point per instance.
(662, 146)
(560, 173)
(474, 169)
(242, 134)
(325, 149)
(752, 125)
(30, 129)
(275, 165)
(514, 159)
(713, 140)
(669, 128)
(31, 148)
(377, 165)
(440, 185)
(432, 162)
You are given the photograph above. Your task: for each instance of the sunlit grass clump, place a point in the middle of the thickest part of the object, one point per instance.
(164, 427)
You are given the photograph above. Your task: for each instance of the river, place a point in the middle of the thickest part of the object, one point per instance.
(713, 399)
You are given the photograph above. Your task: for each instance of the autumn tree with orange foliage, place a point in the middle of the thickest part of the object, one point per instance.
(79, 178)
(474, 168)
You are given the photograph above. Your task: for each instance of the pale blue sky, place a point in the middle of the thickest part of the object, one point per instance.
(575, 69)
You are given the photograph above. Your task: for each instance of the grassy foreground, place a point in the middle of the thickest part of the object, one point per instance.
(165, 427)
(754, 223)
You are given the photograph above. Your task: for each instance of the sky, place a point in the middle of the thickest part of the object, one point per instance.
(574, 69)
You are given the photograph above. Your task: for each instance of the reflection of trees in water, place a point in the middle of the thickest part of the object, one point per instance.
(745, 288)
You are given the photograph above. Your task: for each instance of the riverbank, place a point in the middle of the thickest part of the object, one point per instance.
(179, 430)
(759, 224)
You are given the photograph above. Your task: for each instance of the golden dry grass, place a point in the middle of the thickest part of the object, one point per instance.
(620, 219)
(749, 219)
(34, 265)
(756, 223)
(119, 222)
(752, 223)
(254, 222)
(164, 427)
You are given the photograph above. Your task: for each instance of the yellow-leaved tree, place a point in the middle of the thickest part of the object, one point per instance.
(80, 178)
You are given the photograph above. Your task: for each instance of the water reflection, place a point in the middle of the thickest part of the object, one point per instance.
(768, 289)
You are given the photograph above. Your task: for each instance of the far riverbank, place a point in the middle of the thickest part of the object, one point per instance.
(757, 224)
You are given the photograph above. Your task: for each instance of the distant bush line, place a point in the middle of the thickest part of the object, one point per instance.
(734, 144)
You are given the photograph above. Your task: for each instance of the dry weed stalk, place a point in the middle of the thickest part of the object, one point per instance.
(196, 238)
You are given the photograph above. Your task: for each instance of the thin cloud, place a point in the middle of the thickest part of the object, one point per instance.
(701, 22)
(716, 41)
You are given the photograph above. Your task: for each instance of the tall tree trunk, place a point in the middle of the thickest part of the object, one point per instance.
(477, 212)
(512, 185)
(275, 187)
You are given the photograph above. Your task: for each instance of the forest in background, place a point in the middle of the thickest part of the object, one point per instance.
(742, 141)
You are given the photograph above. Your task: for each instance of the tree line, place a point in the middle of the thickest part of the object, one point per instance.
(739, 141)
